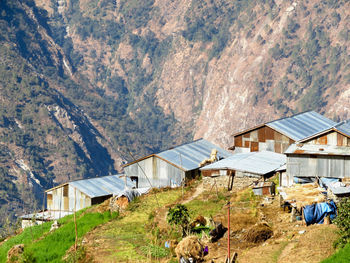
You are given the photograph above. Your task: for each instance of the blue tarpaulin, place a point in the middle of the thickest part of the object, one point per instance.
(315, 214)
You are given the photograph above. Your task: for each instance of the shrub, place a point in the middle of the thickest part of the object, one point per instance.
(179, 216)
(343, 222)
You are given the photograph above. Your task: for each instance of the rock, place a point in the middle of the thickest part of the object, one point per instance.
(217, 233)
(54, 226)
(290, 9)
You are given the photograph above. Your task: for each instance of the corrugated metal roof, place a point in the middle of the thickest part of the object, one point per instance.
(253, 162)
(318, 149)
(344, 127)
(341, 127)
(102, 186)
(302, 125)
(47, 215)
(188, 156)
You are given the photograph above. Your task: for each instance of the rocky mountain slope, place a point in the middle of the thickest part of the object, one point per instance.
(85, 83)
(210, 63)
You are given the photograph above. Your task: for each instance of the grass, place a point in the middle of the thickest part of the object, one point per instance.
(26, 237)
(341, 256)
(208, 204)
(53, 246)
(125, 239)
(155, 251)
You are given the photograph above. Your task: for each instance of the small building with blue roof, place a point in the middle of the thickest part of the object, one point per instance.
(278, 135)
(172, 167)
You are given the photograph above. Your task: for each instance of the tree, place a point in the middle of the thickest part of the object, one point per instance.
(179, 216)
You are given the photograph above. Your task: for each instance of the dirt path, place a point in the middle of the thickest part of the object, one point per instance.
(199, 189)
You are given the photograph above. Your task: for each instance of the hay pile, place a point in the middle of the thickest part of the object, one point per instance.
(190, 247)
(258, 233)
(121, 203)
(104, 207)
(15, 253)
(303, 194)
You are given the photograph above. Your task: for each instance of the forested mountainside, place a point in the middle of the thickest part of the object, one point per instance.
(85, 82)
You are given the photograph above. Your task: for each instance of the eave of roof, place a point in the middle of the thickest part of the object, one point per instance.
(249, 130)
(53, 188)
(149, 156)
(314, 149)
(280, 125)
(106, 184)
(138, 160)
(188, 155)
(322, 133)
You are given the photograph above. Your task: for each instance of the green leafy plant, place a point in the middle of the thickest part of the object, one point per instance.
(179, 216)
(343, 222)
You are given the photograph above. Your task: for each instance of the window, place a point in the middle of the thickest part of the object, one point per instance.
(65, 190)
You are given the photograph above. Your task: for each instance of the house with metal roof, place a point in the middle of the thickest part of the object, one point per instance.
(337, 135)
(277, 135)
(325, 154)
(258, 164)
(41, 217)
(76, 195)
(173, 166)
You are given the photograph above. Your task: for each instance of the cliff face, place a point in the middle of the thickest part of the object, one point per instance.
(86, 85)
(286, 57)
(219, 66)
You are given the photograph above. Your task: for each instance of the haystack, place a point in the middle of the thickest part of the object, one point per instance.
(104, 207)
(15, 253)
(258, 233)
(303, 194)
(189, 247)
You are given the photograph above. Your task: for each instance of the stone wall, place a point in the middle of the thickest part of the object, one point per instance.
(240, 181)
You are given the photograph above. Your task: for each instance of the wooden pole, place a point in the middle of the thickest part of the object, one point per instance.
(75, 220)
(61, 195)
(182, 180)
(228, 232)
(43, 213)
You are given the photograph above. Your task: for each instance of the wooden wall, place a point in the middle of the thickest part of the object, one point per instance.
(332, 138)
(263, 138)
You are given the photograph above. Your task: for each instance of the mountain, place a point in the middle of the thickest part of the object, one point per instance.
(86, 85)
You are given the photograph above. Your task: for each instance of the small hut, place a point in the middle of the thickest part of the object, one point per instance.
(277, 135)
(76, 195)
(172, 167)
(253, 164)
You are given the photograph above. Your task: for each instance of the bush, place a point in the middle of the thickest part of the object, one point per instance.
(343, 222)
(179, 216)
